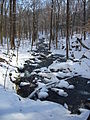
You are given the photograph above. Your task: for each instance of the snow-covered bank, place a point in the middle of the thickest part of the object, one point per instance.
(79, 60)
(11, 58)
(13, 107)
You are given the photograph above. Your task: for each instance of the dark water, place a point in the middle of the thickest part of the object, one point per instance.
(79, 97)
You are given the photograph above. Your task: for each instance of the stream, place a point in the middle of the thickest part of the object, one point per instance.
(79, 97)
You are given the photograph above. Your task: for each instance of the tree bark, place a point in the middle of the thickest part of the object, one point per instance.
(10, 15)
(14, 24)
(67, 35)
(2, 2)
(57, 24)
(51, 26)
(84, 15)
(34, 29)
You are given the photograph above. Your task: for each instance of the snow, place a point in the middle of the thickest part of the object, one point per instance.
(42, 94)
(87, 54)
(60, 92)
(60, 66)
(47, 75)
(82, 67)
(64, 84)
(88, 82)
(11, 58)
(14, 107)
(65, 105)
(44, 69)
(70, 67)
(71, 87)
(77, 36)
(63, 74)
(24, 83)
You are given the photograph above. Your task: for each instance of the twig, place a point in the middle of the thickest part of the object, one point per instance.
(10, 57)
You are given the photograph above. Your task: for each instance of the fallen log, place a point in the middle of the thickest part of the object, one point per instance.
(49, 85)
(2, 60)
(82, 44)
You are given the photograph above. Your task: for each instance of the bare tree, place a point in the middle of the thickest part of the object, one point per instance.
(14, 25)
(1, 29)
(34, 24)
(84, 17)
(57, 22)
(51, 24)
(67, 35)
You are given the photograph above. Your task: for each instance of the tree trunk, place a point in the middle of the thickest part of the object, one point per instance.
(57, 24)
(2, 2)
(10, 14)
(14, 24)
(34, 24)
(67, 35)
(51, 26)
(84, 15)
(5, 21)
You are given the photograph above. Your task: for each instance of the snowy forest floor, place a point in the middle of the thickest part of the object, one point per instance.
(51, 76)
